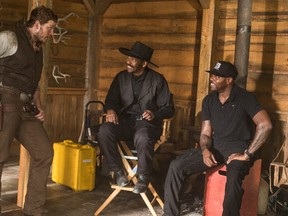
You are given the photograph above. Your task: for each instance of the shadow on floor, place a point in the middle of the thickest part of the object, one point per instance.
(63, 201)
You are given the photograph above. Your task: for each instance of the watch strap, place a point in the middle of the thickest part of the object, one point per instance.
(250, 155)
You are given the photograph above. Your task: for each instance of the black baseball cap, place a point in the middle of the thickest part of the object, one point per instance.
(224, 69)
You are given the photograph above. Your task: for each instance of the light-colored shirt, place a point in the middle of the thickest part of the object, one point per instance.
(8, 43)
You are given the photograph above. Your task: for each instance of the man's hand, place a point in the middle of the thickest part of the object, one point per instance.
(208, 158)
(148, 115)
(40, 115)
(238, 156)
(111, 116)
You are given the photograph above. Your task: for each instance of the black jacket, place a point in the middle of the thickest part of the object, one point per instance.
(154, 96)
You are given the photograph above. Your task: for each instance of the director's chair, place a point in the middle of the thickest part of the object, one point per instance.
(129, 158)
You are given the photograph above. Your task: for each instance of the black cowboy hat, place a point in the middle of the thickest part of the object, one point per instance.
(139, 50)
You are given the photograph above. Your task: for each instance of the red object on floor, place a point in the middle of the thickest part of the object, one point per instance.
(215, 189)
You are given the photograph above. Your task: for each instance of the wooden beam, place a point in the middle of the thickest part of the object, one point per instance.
(205, 57)
(205, 4)
(123, 1)
(91, 59)
(102, 6)
(98, 8)
(91, 6)
(23, 176)
(195, 4)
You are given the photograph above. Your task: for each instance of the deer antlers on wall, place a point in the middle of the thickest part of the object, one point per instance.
(58, 75)
(59, 36)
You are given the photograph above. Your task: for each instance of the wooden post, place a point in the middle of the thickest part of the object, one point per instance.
(24, 164)
(205, 56)
(96, 11)
(24, 161)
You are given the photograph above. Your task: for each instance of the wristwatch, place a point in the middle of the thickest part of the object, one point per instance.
(250, 155)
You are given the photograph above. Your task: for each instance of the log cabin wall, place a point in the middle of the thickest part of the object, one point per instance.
(12, 12)
(267, 72)
(66, 71)
(173, 29)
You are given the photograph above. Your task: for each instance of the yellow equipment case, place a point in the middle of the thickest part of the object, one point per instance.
(74, 165)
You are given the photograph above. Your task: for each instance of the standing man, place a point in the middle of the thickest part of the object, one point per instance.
(21, 61)
(234, 127)
(136, 104)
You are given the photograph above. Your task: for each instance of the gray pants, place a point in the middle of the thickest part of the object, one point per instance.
(30, 132)
(142, 133)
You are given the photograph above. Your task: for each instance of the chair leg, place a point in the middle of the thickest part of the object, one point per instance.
(147, 201)
(107, 201)
(156, 196)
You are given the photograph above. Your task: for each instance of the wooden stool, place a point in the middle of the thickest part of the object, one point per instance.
(215, 190)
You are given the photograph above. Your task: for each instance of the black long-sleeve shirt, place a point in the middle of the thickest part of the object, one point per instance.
(154, 95)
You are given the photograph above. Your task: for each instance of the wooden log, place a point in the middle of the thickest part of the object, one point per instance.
(161, 57)
(59, 51)
(151, 9)
(205, 55)
(23, 176)
(124, 25)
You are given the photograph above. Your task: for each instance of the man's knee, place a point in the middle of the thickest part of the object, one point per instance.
(175, 166)
(106, 129)
(48, 154)
(43, 156)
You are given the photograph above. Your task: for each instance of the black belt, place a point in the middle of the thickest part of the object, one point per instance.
(136, 117)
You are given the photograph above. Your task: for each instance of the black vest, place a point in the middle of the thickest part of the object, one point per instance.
(23, 69)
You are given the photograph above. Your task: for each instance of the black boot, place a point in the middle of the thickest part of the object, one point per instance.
(121, 178)
(142, 184)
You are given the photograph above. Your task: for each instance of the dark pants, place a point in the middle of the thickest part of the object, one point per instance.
(191, 162)
(30, 133)
(143, 134)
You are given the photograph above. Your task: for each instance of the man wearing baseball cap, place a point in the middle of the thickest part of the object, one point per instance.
(234, 127)
(136, 104)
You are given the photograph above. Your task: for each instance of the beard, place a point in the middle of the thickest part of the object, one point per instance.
(37, 42)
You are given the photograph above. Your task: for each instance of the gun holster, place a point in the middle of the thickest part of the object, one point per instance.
(30, 108)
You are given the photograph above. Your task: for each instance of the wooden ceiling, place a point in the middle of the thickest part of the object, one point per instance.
(100, 6)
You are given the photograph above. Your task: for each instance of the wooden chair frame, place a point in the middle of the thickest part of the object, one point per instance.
(130, 164)
(279, 168)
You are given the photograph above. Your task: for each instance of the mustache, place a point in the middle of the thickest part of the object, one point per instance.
(130, 65)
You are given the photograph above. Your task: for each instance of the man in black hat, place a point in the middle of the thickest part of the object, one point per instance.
(228, 136)
(136, 104)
